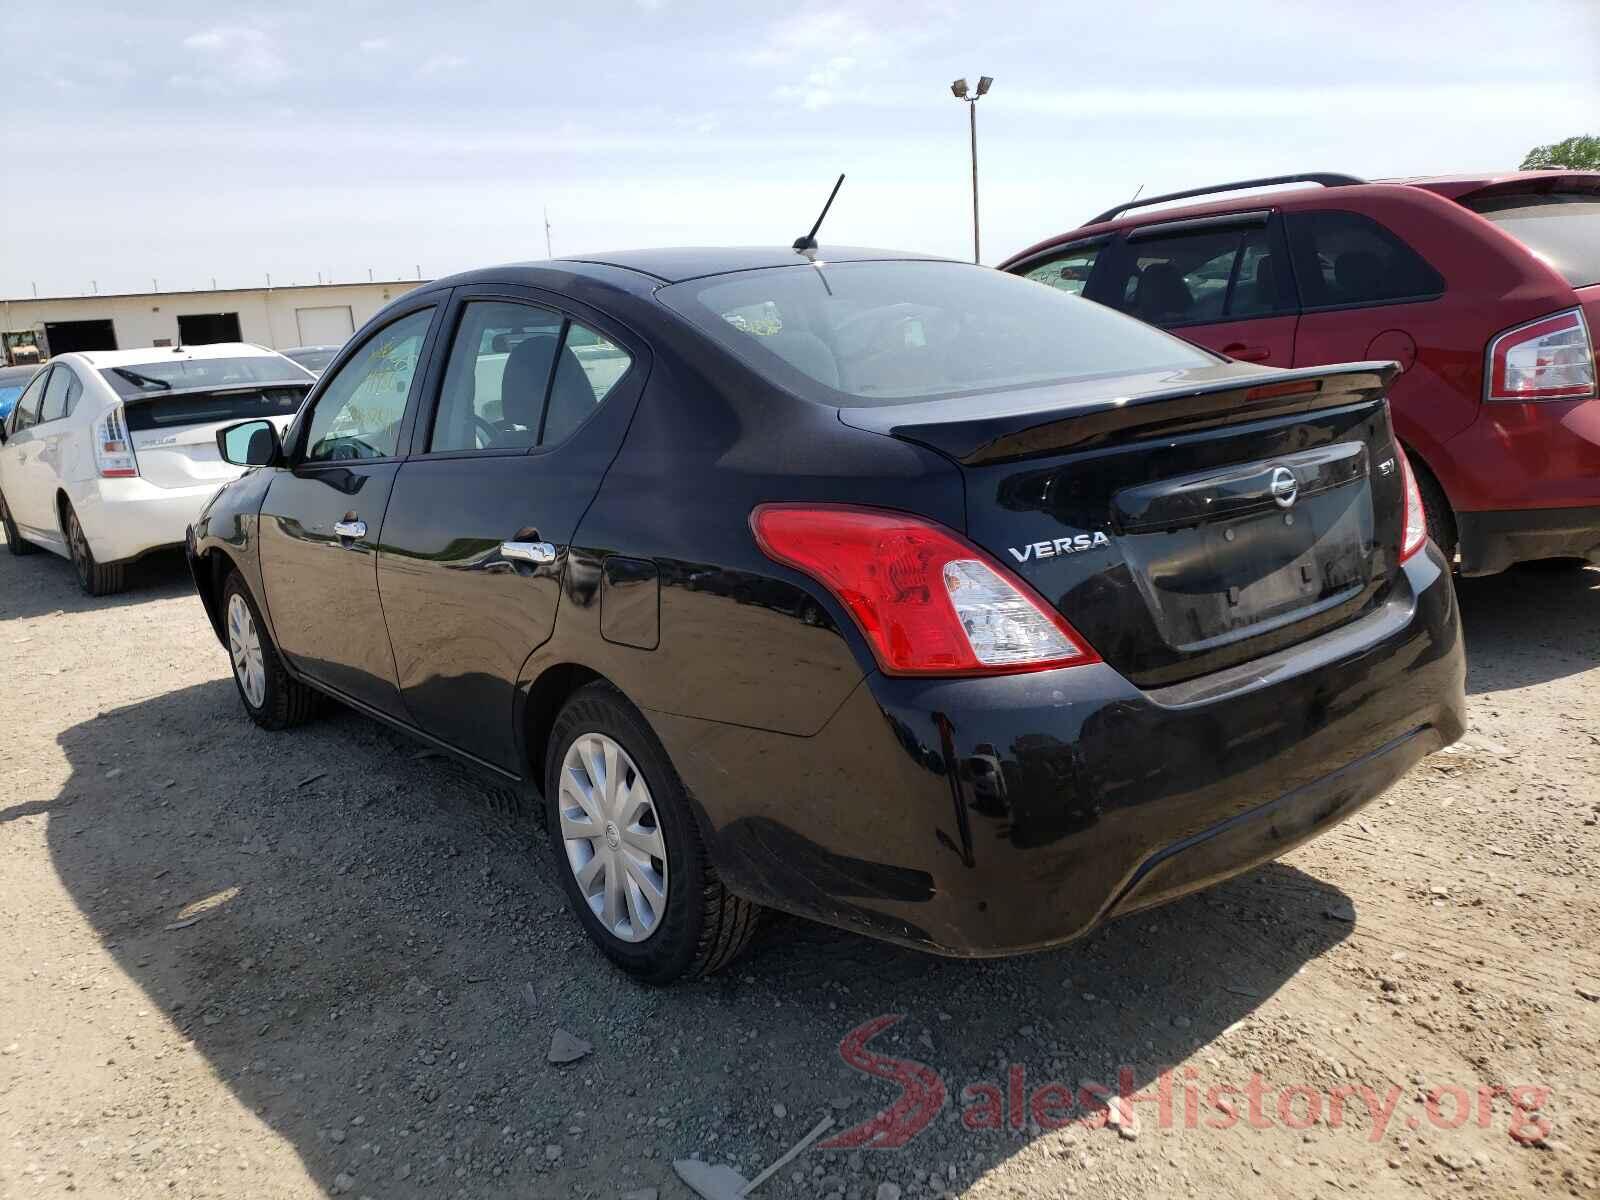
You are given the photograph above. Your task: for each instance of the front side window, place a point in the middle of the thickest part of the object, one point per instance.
(893, 332)
(1344, 258)
(1200, 277)
(358, 414)
(521, 376)
(55, 395)
(1068, 271)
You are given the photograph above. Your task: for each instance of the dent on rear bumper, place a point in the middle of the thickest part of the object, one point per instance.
(990, 816)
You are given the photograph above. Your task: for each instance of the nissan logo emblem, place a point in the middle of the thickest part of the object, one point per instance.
(1284, 487)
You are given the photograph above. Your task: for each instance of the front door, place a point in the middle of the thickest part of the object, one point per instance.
(24, 471)
(531, 410)
(323, 515)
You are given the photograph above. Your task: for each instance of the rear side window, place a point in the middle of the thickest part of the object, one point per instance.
(521, 376)
(1561, 229)
(892, 332)
(1343, 259)
(1067, 271)
(1196, 278)
(56, 393)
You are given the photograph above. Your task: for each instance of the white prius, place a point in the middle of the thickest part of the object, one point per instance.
(110, 454)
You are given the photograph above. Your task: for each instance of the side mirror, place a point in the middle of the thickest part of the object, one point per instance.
(250, 444)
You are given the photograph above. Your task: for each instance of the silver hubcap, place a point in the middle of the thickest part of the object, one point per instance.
(245, 646)
(613, 837)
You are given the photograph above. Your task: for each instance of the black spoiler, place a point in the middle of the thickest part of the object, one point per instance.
(1087, 413)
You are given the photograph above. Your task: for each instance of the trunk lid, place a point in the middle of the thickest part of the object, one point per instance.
(1182, 521)
(174, 434)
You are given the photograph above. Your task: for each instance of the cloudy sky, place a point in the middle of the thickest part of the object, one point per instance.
(186, 141)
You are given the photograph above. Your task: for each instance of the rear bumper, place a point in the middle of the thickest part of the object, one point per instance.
(125, 518)
(1492, 541)
(991, 816)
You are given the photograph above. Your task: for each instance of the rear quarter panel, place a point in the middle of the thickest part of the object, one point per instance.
(1491, 282)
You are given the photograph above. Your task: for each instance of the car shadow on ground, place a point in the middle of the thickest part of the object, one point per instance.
(349, 926)
(1528, 625)
(43, 583)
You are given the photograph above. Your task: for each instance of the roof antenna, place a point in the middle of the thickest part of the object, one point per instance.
(807, 244)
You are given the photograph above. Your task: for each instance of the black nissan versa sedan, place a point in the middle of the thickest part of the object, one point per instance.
(898, 593)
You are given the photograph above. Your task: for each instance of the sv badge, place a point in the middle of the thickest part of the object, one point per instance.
(1060, 545)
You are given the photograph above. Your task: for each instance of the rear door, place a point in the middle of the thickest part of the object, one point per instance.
(531, 406)
(46, 474)
(1219, 281)
(1366, 294)
(323, 514)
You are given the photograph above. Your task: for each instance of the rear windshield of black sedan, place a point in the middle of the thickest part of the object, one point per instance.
(894, 332)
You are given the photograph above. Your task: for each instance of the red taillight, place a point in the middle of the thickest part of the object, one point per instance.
(927, 602)
(113, 451)
(1548, 359)
(1416, 531)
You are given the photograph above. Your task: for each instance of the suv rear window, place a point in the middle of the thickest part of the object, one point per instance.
(1345, 259)
(174, 374)
(1562, 229)
(880, 333)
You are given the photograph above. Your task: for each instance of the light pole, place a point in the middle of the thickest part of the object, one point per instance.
(958, 89)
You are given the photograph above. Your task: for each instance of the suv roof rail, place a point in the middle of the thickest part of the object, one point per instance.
(1325, 178)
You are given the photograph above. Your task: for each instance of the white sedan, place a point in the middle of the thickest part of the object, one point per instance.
(110, 454)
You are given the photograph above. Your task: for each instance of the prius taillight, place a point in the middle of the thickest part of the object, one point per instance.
(113, 452)
(927, 601)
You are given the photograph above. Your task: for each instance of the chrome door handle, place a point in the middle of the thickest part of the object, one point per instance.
(529, 552)
(350, 529)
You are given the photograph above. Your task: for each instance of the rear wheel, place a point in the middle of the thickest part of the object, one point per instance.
(271, 696)
(627, 848)
(96, 578)
(14, 540)
(1441, 517)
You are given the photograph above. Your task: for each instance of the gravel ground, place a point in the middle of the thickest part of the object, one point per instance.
(328, 961)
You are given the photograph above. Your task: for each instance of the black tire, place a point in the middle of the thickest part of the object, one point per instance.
(15, 542)
(284, 701)
(704, 927)
(1441, 517)
(95, 578)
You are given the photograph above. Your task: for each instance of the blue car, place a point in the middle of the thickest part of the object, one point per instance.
(12, 381)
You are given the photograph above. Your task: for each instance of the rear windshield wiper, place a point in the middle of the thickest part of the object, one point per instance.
(139, 380)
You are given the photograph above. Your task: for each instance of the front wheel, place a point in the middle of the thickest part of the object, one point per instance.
(95, 578)
(271, 696)
(627, 848)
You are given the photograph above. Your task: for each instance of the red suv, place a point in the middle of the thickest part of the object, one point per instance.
(1486, 290)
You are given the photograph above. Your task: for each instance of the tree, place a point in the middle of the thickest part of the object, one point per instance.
(1581, 152)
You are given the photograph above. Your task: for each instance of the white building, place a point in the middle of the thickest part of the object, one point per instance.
(279, 317)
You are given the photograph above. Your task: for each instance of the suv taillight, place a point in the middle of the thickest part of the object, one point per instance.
(113, 452)
(928, 602)
(1548, 359)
